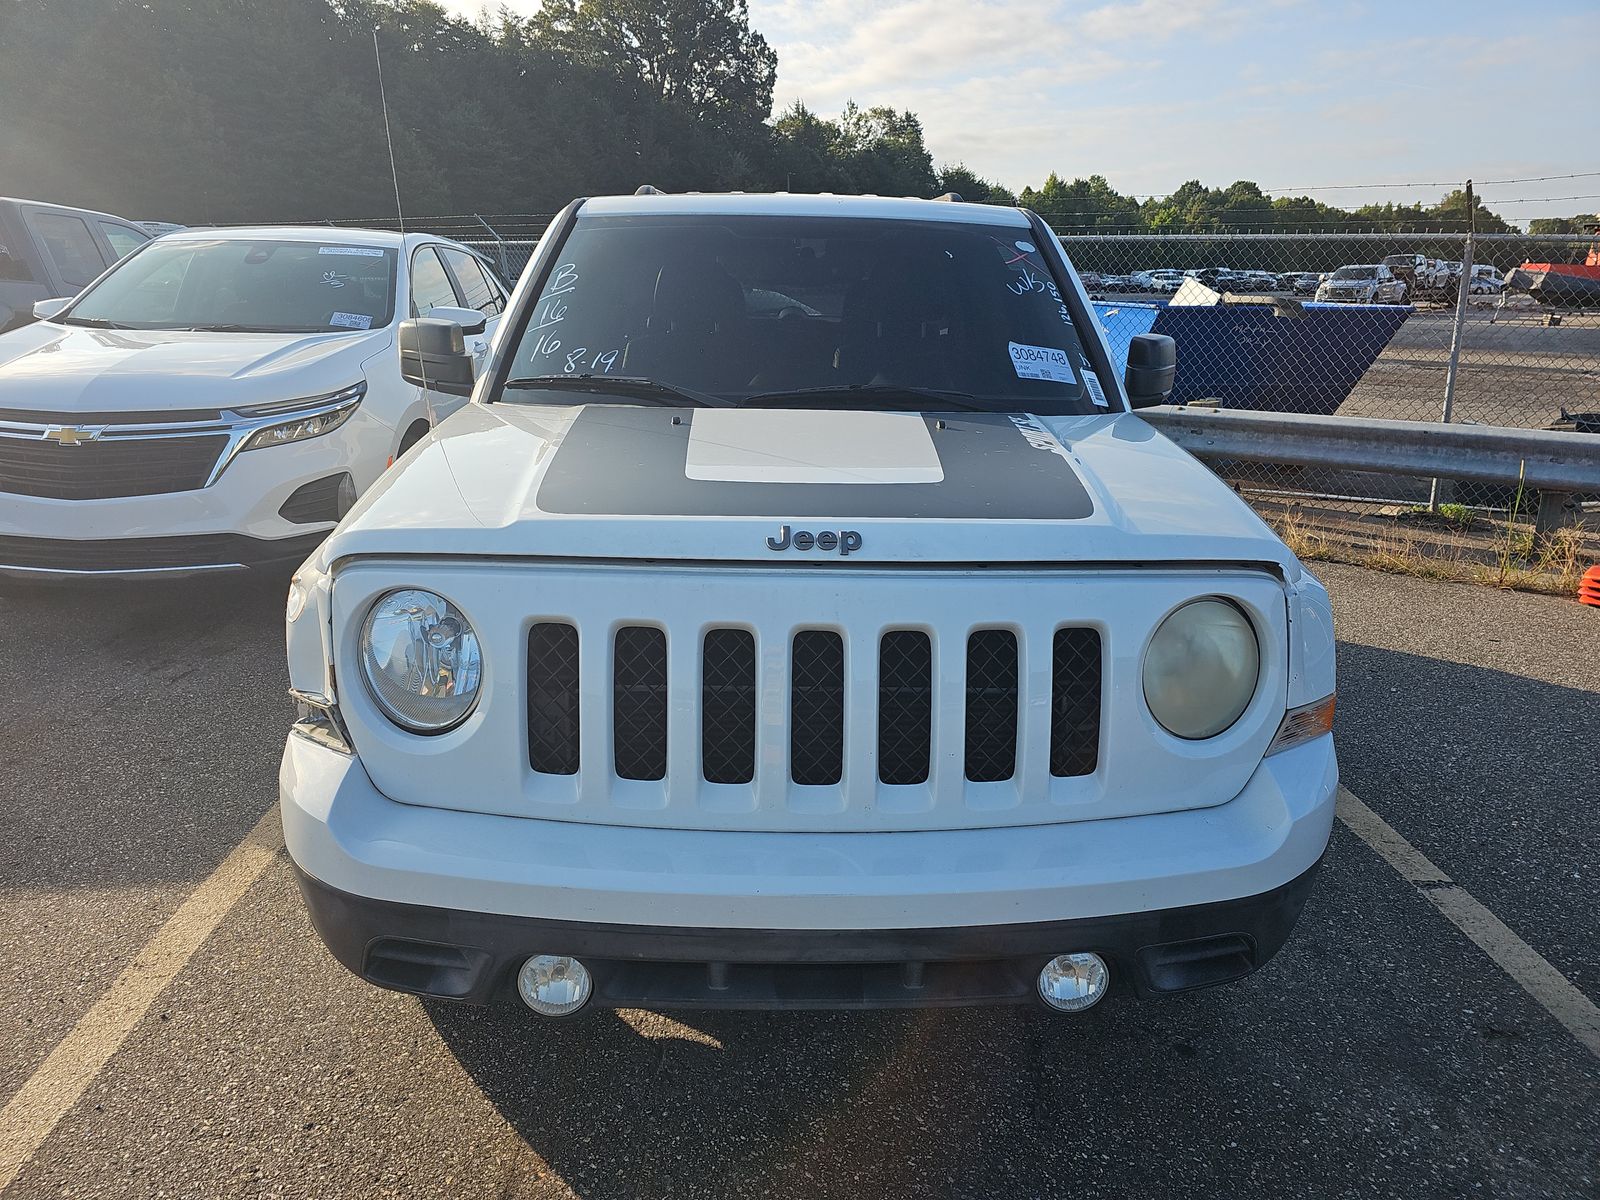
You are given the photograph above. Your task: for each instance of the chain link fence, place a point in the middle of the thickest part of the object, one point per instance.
(1361, 325)
(1354, 324)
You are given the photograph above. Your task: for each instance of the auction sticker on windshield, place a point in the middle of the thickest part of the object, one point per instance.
(352, 251)
(1041, 362)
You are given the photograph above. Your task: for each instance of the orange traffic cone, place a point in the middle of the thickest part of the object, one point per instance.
(1589, 589)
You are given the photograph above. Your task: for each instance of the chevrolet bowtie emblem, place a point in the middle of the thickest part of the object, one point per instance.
(70, 435)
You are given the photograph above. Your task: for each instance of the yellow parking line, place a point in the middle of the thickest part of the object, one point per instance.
(66, 1073)
(1530, 969)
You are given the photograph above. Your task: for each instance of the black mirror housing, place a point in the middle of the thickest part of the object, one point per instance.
(1152, 369)
(434, 356)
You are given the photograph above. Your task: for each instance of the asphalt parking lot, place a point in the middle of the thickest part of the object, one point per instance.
(1383, 1053)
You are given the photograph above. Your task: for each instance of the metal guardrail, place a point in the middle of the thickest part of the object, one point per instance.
(1553, 463)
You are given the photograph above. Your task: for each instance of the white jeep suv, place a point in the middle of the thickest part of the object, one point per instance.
(858, 649)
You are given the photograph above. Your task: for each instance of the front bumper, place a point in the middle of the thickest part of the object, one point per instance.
(448, 903)
(235, 523)
(58, 561)
(474, 957)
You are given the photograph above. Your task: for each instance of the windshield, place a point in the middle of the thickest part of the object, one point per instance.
(752, 310)
(244, 286)
(1355, 273)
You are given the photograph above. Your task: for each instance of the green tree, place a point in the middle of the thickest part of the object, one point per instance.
(701, 56)
(1090, 203)
(883, 151)
(1582, 223)
(955, 177)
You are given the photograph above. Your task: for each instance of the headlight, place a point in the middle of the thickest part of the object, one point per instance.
(304, 418)
(421, 660)
(1201, 669)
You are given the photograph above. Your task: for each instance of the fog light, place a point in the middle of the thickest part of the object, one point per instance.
(1073, 982)
(554, 985)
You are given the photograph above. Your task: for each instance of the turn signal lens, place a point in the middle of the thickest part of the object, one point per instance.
(1304, 724)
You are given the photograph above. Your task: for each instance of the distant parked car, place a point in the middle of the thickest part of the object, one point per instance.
(1303, 283)
(1363, 283)
(219, 399)
(157, 228)
(1219, 279)
(51, 250)
(1486, 281)
(1405, 267)
(1256, 281)
(1165, 280)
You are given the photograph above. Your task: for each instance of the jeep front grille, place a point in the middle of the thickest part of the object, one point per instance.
(905, 706)
(816, 707)
(553, 699)
(1075, 703)
(818, 717)
(728, 706)
(991, 705)
(639, 703)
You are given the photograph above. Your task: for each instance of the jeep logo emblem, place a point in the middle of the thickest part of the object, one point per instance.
(846, 542)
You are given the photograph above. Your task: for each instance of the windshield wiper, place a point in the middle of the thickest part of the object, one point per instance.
(95, 323)
(256, 329)
(632, 387)
(878, 395)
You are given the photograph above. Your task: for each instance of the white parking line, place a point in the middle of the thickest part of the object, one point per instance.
(70, 1068)
(1530, 969)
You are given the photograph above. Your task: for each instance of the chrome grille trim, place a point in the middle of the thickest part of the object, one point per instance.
(236, 425)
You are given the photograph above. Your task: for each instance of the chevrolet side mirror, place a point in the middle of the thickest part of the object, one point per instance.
(433, 355)
(1152, 369)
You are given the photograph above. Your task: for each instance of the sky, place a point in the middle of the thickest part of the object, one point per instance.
(1297, 95)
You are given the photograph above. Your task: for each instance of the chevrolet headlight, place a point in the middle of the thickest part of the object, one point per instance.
(421, 660)
(304, 419)
(1201, 669)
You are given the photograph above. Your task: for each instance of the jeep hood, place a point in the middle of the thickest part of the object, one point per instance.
(623, 482)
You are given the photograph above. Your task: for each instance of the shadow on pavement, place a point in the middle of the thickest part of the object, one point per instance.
(142, 728)
(821, 1104)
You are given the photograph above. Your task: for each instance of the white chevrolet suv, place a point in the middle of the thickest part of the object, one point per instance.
(800, 617)
(218, 398)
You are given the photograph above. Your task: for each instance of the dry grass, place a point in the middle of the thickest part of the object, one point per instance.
(1553, 565)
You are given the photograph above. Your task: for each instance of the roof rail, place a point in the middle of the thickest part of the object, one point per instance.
(951, 198)
(648, 189)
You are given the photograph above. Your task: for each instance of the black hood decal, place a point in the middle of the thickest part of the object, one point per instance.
(623, 461)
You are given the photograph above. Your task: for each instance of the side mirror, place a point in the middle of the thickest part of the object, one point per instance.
(45, 309)
(1152, 369)
(470, 319)
(434, 356)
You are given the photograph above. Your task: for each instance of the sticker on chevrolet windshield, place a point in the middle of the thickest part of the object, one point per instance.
(351, 320)
(1041, 362)
(357, 251)
(1096, 392)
